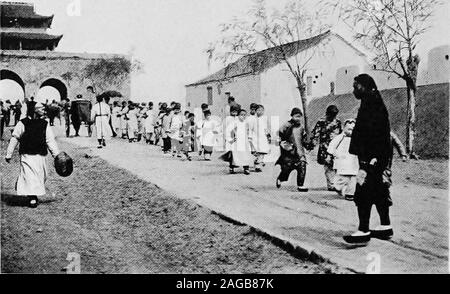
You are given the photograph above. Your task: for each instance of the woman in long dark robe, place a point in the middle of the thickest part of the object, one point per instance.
(372, 144)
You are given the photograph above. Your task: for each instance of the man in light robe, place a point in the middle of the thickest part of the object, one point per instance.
(100, 115)
(36, 139)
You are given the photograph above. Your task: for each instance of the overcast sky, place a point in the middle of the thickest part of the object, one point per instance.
(168, 36)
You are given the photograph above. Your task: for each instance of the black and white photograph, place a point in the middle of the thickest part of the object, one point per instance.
(224, 137)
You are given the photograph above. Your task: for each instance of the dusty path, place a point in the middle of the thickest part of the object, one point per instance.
(121, 224)
(315, 220)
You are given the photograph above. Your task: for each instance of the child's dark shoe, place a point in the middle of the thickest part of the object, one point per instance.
(302, 189)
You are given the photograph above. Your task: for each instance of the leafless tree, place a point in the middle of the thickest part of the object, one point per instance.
(263, 28)
(391, 30)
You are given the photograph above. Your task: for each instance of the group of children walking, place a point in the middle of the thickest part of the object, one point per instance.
(247, 139)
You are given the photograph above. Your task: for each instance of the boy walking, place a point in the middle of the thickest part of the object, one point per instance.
(293, 138)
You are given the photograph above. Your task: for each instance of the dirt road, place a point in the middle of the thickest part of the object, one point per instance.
(118, 223)
(314, 221)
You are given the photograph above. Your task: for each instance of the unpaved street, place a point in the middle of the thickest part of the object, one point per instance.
(121, 224)
(313, 221)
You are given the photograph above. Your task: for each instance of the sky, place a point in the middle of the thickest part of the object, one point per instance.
(168, 36)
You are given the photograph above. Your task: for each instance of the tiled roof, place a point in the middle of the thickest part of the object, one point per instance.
(262, 60)
(19, 10)
(30, 36)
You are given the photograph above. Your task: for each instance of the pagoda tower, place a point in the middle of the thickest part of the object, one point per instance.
(28, 57)
(21, 28)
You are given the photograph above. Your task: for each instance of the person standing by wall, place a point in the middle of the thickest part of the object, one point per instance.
(90, 94)
(371, 142)
(17, 112)
(66, 114)
(324, 131)
(7, 114)
(75, 115)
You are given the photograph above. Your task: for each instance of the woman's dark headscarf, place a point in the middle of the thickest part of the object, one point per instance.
(371, 135)
(372, 96)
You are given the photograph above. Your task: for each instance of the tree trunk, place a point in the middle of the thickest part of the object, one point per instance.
(411, 86)
(411, 123)
(302, 91)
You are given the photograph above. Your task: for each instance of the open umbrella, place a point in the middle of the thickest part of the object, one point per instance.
(111, 93)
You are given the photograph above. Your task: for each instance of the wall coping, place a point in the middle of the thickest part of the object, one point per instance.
(59, 55)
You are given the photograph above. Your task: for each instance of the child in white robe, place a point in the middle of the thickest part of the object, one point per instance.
(176, 124)
(260, 137)
(36, 138)
(345, 164)
(115, 117)
(231, 119)
(237, 136)
(208, 135)
(141, 114)
(149, 124)
(123, 120)
(132, 123)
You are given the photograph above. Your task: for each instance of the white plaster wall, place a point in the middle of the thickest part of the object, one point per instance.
(245, 89)
(438, 68)
(344, 78)
(279, 92)
(435, 71)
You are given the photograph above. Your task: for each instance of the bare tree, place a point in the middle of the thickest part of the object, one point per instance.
(262, 29)
(391, 30)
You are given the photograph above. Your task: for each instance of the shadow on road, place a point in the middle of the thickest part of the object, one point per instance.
(15, 201)
(22, 201)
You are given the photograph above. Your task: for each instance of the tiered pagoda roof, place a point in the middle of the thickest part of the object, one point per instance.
(23, 29)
